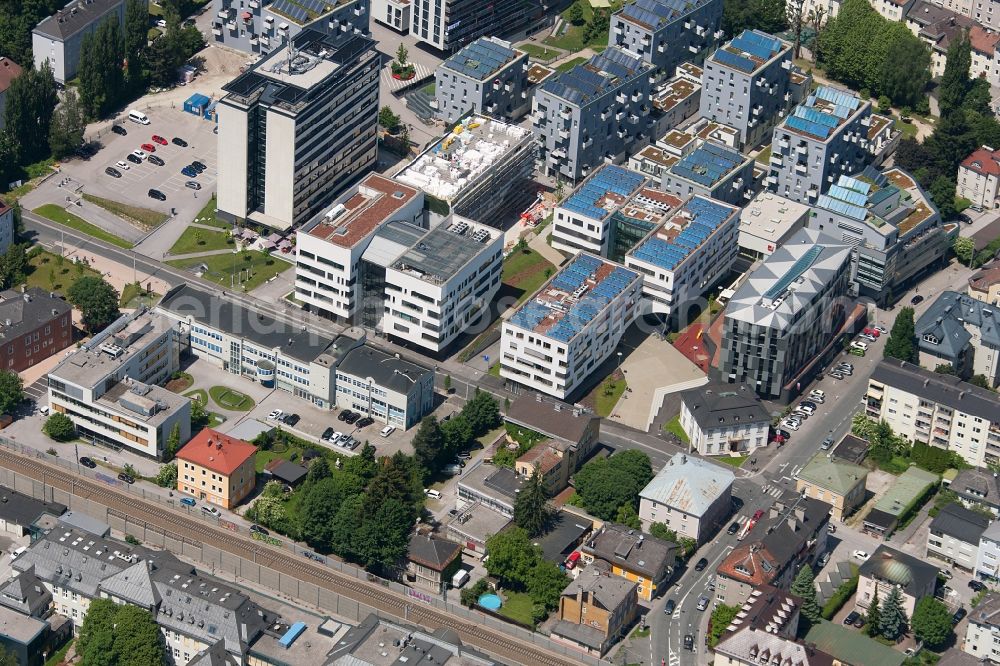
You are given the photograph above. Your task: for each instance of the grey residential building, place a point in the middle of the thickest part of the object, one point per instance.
(977, 487)
(962, 332)
(954, 536)
(667, 32)
(59, 38)
(448, 25)
(711, 170)
(488, 76)
(297, 128)
(260, 26)
(823, 138)
(789, 311)
(391, 390)
(596, 112)
(895, 228)
(746, 85)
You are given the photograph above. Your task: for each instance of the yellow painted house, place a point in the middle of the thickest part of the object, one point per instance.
(643, 559)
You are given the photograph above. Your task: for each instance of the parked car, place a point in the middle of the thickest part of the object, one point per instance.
(668, 609)
(836, 374)
(159, 139)
(831, 528)
(352, 417)
(199, 166)
(118, 129)
(153, 159)
(916, 300)
(134, 159)
(193, 184)
(867, 337)
(187, 501)
(87, 462)
(189, 172)
(148, 147)
(852, 617)
(733, 528)
(127, 478)
(344, 414)
(290, 419)
(123, 165)
(365, 422)
(275, 414)
(386, 431)
(977, 586)
(827, 443)
(881, 329)
(111, 171)
(571, 561)
(857, 352)
(327, 434)
(140, 154)
(156, 194)
(702, 602)
(211, 511)
(857, 344)
(177, 141)
(807, 407)
(959, 614)
(860, 555)
(257, 529)
(701, 564)
(689, 642)
(823, 559)
(433, 494)
(336, 437)
(784, 434)
(790, 425)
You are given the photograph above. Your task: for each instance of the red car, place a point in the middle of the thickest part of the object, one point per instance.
(148, 147)
(159, 139)
(872, 332)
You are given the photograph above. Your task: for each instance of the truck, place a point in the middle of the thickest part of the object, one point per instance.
(460, 578)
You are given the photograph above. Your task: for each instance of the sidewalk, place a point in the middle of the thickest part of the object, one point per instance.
(52, 192)
(117, 274)
(539, 245)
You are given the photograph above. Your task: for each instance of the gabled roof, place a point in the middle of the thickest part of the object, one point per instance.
(433, 553)
(550, 417)
(133, 585)
(960, 523)
(74, 17)
(26, 594)
(913, 575)
(977, 485)
(942, 328)
(689, 484)
(983, 161)
(217, 452)
(721, 405)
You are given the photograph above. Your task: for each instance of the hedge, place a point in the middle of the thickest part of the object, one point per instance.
(840, 597)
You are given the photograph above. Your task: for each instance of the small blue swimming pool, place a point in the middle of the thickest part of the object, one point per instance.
(490, 602)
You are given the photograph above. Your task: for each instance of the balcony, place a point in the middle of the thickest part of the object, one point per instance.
(588, 142)
(802, 150)
(566, 113)
(253, 39)
(620, 98)
(217, 30)
(224, 14)
(801, 169)
(231, 25)
(563, 134)
(783, 144)
(619, 115)
(777, 160)
(254, 4)
(661, 48)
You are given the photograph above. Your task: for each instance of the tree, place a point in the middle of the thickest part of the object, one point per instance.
(627, 516)
(388, 119)
(319, 469)
(59, 427)
(346, 524)
(576, 14)
(942, 192)
(11, 391)
(892, 617)
(447, 383)
(66, 129)
(546, 583)
(964, 248)
(174, 438)
(905, 72)
(199, 417)
(795, 15)
(101, 79)
(428, 444)
(31, 100)
(805, 587)
(764, 15)
(512, 557)
(931, 622)
(97, 300)
(902, 343)
(661, 531)
(384, 537)
(606, 484)
(402, 54)
(457, 434)
(872, 618)
(7, 658)
(96, 634)
(981, 381)
(955, 82)
(13, 263)
(167, 476)
(483, 412)
(138, 640)
(722, 617)
(530, 513)
(135, 39)
(945, 369)
(320, 503)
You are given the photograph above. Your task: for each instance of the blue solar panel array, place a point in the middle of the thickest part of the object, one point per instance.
(480, 59)
(735, 61)
(609, 179)
(291, 10)
(707, 164)
(842, 207)
(820, 123)
(838, 97)
(584, 310)
(706, 217)
(658, 13)
(757, 43)
(584, 82)
(801, 265)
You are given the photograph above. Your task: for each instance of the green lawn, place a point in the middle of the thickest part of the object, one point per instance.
(207, 215)
(526, 271)
(430, 88)
(764, 156)
(57, 214)
(231, 399)
(134, 294)
(735, 461)
(517, 606)
(572, 37)
(673, 426)
(605, 400)
(495, 369)
(47, 272)
(538, 52)
(570, 64)
(220, 268)
(199, 395)
(201, 240)
(57, 657)
(909, 130)
(144, 216)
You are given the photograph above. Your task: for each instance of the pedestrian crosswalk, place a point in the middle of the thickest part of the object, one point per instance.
(674, 659)
(773, 490)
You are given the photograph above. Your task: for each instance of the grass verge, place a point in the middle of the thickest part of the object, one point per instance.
(572, 38)
(201, 240)
(207, 215)
(673, 426)
(58, 656)
(144, 216)
(539, 52)
(608, 394)
(60, 216)
(570, 64)
(198, 394)
(219, 268)
(134, 294)
(735, 461)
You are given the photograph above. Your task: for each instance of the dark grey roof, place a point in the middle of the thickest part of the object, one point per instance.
(283, 470)
(960, 523)
(216, 655)
(609, 591)
(915, 576)
(264, 330)
(947, 390)
(926, 13)
(977, 485)
(566, 531)
(74, 17)
(783, 540)
(580, 633)
(433, 553)
(551, 417)
(880, 518)
(481, 59)
(441, 253)
(945, 322)
(23, 510)
(600, 75)
(26, 594)
(642, 553)
(385, 370)
(852, 449)
(422, 648)
(719, 405)
(26, 314)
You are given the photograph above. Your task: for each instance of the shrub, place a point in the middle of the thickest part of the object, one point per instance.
(840, 597)
(59, 427)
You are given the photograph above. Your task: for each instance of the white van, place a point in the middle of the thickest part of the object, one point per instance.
(388, 430)
(18, 552)
(138, 117)
(460, 578)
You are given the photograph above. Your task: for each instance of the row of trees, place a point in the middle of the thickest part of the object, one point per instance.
(436, 443)
(31, 101)
(866, 51)
(609, 487)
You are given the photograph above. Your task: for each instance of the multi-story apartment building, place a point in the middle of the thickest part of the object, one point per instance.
(667, 32)
(108, 386)
(655, 159)
(594, 612)
(217, 468)
(449, 25)
(679, 98)
(714, 171)
(723, 419)
(583, 221)
(889, 568)
(895, 228)
(988, 553)
(767, 223)
(940, 410)
(297, 128)
(34, 325)
(961, 332)
(893, 10)
(489, 76)
(393, 13)
(390, 390)
(333, 265)
(632, 555)
(58, 39)
(789, 311)
(979, 178)
(823, 138)
(766, 628)
(9, 70)
(954, 536)
(982, 636)
(985, 284)
(686, 255)
(475, 170)
(689, 495)
(746, 85)
(260, 26)
(556, 339)
(938, 26)
(596, 112)
(442, 283)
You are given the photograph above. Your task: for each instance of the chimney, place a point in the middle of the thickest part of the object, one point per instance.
(209, 443)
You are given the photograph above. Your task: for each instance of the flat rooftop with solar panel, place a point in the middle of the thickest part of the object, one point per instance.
(748, 51)
(482, 58)
(444, 250)
(711, 170)
(602, 193)
(824, 110)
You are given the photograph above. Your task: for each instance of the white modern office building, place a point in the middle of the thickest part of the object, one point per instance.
(390, 390)
(583, 220)
(109, 385)
(767, 222)
(558, 337)
(686, 255)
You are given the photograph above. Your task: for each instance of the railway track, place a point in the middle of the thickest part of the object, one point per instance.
(371, 594)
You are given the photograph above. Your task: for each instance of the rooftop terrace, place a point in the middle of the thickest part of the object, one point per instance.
(673, 93)
(376, 200)
(472, 147)
(708, 164)
(655, 14)
(649, 205)
(683, 233)
(538, 73)
(824, 110)
(444, 250)
(600, 75)
(748, 51)
(855, 197)
(574, 297)
(482, 58)
(603, 192)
